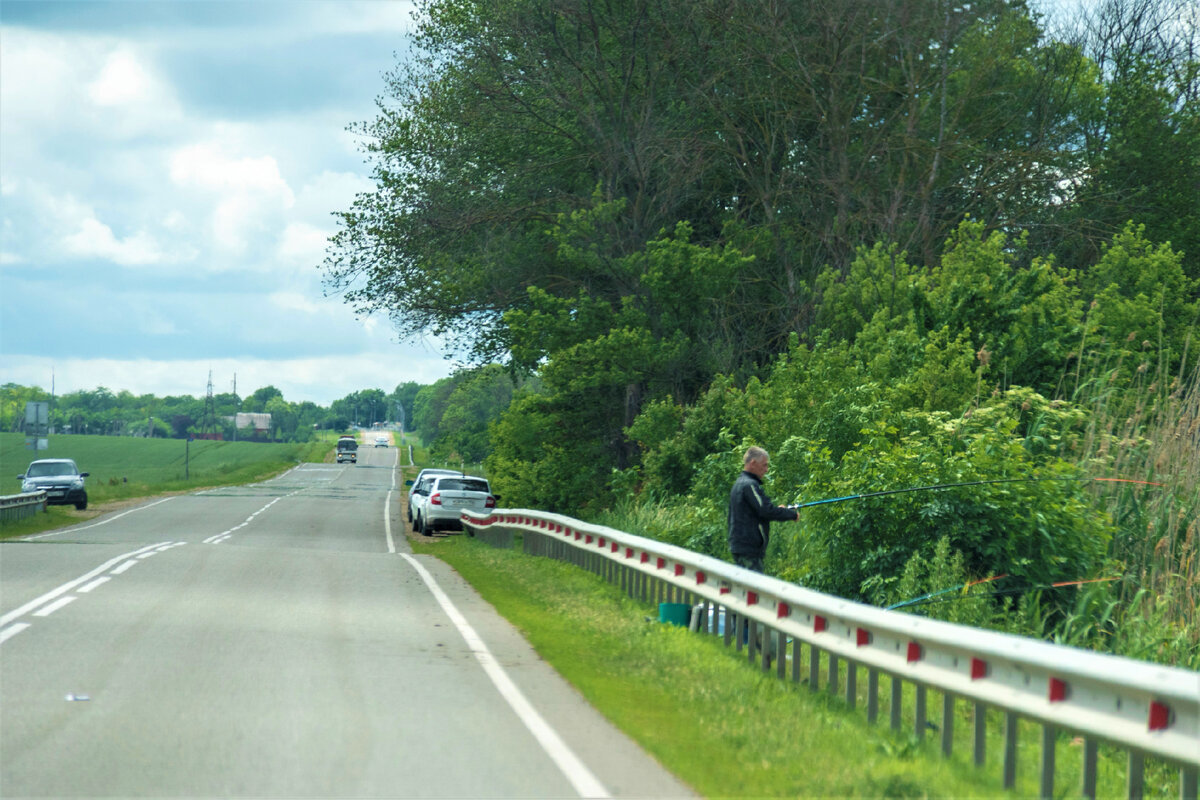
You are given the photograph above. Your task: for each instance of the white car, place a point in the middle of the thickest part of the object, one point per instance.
(381, 441)
(448, 496)
(419, 487)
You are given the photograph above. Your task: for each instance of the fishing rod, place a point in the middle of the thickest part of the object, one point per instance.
(920, 600)
(932, 598)
(931, 487)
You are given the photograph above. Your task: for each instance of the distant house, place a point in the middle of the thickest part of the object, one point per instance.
(261, 423)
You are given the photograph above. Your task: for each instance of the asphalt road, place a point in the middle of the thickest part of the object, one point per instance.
(280, 640)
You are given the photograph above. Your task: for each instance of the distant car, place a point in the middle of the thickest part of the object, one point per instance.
(381, 441)
(59, 478)
(447, 498)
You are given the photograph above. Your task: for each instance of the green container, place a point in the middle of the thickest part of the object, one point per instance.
(675, 614)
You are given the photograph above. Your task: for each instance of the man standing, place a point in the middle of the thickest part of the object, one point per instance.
(751, 512)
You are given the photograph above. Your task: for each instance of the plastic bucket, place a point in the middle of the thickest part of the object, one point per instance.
(675, 614)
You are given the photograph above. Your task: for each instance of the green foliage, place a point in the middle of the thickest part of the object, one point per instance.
(1142, 300)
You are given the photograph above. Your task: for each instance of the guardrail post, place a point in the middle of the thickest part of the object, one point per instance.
(872, 694)
(947, 723)
(814, 668)
(851, 684)
(1010, 750)
(730, 622)
(1091, 757)
(833, 679)
(1187, 783)
(919, 722)
(897, 701)
(980, 734)
(795, 660)
(1137, 775)
(781, 654)
(1049, 735)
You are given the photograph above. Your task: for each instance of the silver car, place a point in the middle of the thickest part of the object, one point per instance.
(59, 478)
(448, 497)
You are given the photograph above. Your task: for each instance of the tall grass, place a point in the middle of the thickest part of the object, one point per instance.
(1144, 423)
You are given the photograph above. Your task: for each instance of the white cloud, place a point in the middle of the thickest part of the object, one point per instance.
(94, 239)
(123, 81)
(302, 243)
(295, 301)
(249, 192)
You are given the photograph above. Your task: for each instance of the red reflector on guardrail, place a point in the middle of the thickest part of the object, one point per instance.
(701, 577)
(645, 558)
(724, 590)
(1058, 690)
(862, 637)
(660, 563)
(751, 598)
(603, 543)
(1160, 716)
(615, 547)
(783, 610)
(979, 669)
(587, 539)
(629, 552)
(915, 652)
(679, 569)
(819, 623)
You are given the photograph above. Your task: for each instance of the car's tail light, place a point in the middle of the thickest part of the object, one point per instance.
(436, 500)
(490, 502)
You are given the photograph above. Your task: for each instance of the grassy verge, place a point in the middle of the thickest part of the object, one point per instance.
(123, 469)
(717, 723)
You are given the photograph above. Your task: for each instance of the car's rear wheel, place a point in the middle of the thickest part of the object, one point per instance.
(80, 505)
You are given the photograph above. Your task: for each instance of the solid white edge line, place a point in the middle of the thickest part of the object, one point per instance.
(69, 585)
(387, 522)
(96, 524)
(575, 771)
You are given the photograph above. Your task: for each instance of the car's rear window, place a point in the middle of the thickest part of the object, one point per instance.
(462, 485)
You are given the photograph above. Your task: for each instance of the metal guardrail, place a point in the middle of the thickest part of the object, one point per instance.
(20, 506)
(1143, 708)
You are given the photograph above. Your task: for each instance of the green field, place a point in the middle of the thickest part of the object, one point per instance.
(124, 468)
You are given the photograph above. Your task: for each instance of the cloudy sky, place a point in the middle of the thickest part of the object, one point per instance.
(169, 171)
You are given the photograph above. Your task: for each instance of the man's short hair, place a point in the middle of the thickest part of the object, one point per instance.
(755, 454)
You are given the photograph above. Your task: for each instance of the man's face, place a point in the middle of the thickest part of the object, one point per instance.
(758, 467)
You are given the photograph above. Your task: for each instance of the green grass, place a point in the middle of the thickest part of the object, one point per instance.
(712, 719)
(125, 468)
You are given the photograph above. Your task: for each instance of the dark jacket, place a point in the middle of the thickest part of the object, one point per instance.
(750, 515)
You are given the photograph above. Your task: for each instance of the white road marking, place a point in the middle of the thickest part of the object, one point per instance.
(69, 585)
(387, 521)
(575, 771)
(103, 579)
(217, 538)
(12, 630)
(128, 565)
(46, 611)
(97, 524)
